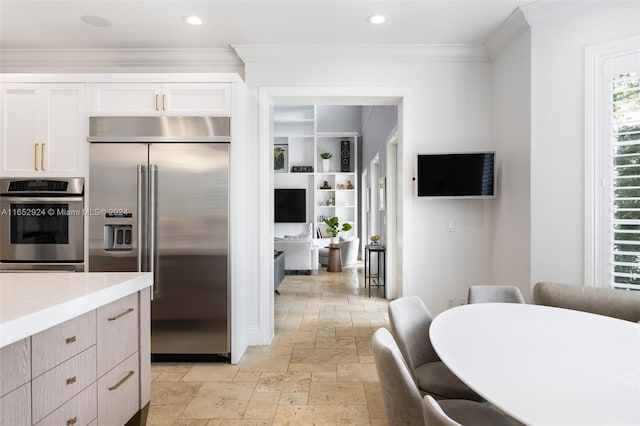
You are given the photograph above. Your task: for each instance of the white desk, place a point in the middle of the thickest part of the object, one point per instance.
(542, 365)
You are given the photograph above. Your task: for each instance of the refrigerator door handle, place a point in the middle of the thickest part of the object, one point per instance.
(141, 189)
(153, 212)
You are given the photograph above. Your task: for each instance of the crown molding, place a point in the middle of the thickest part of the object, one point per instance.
(514, 26)
(541, 12)
(261, 53)
(97, 60)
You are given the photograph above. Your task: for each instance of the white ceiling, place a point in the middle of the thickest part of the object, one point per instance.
(54, 24)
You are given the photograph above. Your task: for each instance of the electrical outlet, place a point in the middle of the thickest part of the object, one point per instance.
(451, 302)
(451, 225)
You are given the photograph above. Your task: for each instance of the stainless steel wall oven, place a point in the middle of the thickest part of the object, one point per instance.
(42, 223)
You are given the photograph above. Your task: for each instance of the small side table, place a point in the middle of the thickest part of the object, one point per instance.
(335, 259)
(381, 251)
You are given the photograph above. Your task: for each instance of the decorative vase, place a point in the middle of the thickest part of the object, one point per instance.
(325, 164)
(335, 240)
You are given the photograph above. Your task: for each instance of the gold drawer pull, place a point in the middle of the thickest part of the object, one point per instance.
(164, 102)
(71, 380)
(124, 379)
(71, 339)
(128, 311)
(35, 156)
(157, 96)
(72, 421)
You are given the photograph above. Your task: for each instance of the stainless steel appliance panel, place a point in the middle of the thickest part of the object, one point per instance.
(189, 184)
(117, 179)
(159, 129)
(41, 221)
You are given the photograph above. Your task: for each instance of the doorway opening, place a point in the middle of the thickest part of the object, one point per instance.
(272, 97)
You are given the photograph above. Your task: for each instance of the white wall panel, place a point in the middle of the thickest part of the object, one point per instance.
(451, 112)
(511, 104)
(557, 132)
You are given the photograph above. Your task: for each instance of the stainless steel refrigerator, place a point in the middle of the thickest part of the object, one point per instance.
(158, 202)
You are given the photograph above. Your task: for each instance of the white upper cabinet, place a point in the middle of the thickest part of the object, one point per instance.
(125, 99)
(42, 129)
(155, 99)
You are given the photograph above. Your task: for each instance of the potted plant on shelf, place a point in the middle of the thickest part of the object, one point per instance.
(325, 161)
(334, 228)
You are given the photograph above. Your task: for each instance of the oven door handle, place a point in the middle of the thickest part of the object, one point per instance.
(32, 199)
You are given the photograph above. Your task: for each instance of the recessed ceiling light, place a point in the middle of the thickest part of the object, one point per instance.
(192, 20)
(376, 19)
(95, 21)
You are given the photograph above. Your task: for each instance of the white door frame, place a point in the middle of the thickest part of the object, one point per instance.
(392, 274)
(270, 96)
(374, 212)
(364, 210)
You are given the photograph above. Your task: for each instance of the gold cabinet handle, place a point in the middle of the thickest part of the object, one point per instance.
(42, 156)
(71, 380)
(124, 379)
(157, 96)
(71, 339)
(164, 102)
(128, 311)
(72, 421)
(35, 156)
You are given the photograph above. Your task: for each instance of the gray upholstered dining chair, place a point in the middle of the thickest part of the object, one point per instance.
(494, 294)
(410, 322)
(458, 412)
(402, 400)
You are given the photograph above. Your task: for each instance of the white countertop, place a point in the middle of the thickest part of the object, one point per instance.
(33, 302)
(544, 365)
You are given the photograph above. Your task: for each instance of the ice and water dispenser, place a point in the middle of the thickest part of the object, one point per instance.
(118, 237)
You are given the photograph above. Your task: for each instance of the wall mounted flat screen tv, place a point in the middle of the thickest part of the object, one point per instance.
(290, 205)
(456, 175)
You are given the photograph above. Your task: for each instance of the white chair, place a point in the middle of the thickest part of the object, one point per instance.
(348, 252)
(410, 322)
(494, 294)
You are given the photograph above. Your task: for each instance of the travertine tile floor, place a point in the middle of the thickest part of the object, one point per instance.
(318, 371)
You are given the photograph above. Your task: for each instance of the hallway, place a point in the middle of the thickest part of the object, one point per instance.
(318, 370)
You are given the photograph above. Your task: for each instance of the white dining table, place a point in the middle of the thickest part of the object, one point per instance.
(544, 365)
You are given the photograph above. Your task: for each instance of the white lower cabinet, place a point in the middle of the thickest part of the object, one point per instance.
(118, 393)
(81, 410)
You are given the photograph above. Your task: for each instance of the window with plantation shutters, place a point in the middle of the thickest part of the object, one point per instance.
(625, 181)
(612, 164)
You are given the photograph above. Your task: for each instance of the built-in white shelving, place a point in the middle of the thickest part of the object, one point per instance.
(295, 131)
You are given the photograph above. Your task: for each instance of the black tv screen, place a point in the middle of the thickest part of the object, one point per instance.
(456, 175)
(290, 205)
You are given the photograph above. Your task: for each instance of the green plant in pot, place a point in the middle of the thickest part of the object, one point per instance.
(334, 228)
(325, 160)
